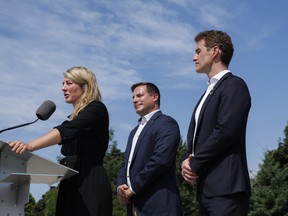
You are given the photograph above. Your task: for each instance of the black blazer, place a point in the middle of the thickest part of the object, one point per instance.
(152, 170)
(220, 149)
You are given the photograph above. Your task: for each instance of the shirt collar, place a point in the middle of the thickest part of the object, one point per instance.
(148, 116)
(217, 77)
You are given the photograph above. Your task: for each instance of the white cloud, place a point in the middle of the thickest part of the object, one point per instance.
(122, 42)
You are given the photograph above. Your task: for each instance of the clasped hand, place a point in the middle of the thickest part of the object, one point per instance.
(189, 176)
(124, 193)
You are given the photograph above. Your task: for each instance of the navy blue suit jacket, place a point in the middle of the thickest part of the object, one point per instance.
(220, 146)
(152, 170)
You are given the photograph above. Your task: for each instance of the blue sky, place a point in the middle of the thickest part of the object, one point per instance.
(127, 41)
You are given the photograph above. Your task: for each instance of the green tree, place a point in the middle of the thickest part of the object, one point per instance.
(50, 201)
(187, 191)
(112, 162)
(30, 206)
(270, 185)
(47, 204)
(40, 207)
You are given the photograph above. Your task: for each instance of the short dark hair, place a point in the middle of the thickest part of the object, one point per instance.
(218, 38)
(151, 89)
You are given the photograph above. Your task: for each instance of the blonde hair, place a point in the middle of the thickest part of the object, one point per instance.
(87, 80)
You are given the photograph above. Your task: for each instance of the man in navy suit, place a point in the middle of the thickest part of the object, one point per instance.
(216, 158)
(146, 180)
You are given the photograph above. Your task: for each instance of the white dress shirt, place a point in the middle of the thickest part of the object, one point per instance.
(142, 122)
(211, 83)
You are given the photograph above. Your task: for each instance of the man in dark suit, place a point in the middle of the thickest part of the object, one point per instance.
(216, 158)
(146, 181)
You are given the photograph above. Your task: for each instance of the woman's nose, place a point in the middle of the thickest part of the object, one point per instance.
(64, 87)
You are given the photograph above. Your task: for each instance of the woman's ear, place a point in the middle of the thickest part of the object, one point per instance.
(84, 87)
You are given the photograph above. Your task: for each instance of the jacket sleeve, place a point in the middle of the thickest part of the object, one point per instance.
(223, 125)
(165, 138)
(93, 114)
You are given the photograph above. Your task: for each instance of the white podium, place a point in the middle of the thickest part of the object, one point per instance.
(17, 172)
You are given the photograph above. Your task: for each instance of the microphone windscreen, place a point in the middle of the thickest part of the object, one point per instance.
(46, 109)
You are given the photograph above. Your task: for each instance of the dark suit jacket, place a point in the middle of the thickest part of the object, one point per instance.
(220, 149)
(152, 170)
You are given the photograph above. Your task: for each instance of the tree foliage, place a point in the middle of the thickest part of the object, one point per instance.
(45, 206)
(187, 192)
(270, 185)
(50, 200)
(30, 206)
(112, 161)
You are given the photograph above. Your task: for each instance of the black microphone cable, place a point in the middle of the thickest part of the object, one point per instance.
(44, 112)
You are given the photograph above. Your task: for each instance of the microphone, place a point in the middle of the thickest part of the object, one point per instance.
(46, 109)
(43, 113)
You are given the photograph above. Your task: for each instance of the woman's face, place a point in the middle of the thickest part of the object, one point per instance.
(72, 91)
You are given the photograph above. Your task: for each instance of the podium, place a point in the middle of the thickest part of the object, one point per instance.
(18, 171)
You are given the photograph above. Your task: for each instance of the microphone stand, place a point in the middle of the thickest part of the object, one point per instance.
(19, 126)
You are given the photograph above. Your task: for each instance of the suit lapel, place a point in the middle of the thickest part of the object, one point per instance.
(144, 132)
(192, 125)
(130, 140)
(206, 102)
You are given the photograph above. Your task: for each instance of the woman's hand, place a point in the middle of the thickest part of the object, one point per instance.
(19, 147)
